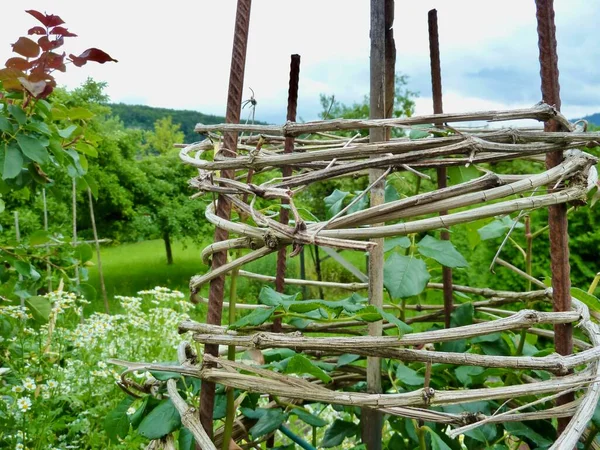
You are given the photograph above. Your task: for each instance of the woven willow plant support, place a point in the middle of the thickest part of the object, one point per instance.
(321, 157)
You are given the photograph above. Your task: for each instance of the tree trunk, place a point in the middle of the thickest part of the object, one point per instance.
(168, 249)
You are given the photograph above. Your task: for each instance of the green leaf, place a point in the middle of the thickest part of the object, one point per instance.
(86, 149)
(442, 251)
(497, 228)
(408, 376)
(391, 194)
(337, 432)
(400, 241)
(164, 375)
(33, 148)
(27, 270)
(415, 134)
(92, 185)
(88, 291)
(162, 420)
(84, 252)
(334, 202)
(255, 318)
(39, 237)
(5, 125)
(269, 421)
(220, 407)
(186, 439)
(521, 430)
(464, 374)
(67, 132)
(437, 442)
(269, 296)
(2, 206)
(359, 205)
(403, 328)
(116, 423)
(17, 112)
(463, 315)
(368, 314)
(301, 365)
(39, 307)
(79, 113)
(346, 359)
(147, 405)
(405, 276)
(39, 127)
(13, 162)
(590, 300)
(309, 418)
(462, 174)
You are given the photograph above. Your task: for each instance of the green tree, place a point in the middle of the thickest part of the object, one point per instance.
(163, 138)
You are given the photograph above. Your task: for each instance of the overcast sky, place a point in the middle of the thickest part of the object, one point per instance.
(176, 53)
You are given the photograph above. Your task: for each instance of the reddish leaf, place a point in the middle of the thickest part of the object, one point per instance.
(35, 88)
(61, 31)
(37, 30)
(45, 43)
(48, 20)
(18, 63)
(38, 74)
(56, 43)
(91, 54)
(26, 47)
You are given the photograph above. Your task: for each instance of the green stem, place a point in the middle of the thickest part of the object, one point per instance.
(230, 411)
(522, 342)
(594, 284)
(421, 434)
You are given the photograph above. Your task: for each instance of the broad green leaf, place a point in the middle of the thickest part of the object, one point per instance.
(17, 112)
(391, 194)
(392, 243)
(79, 113)
(5, 125)
(464, 374)
(408, 376)
(86, 149)
(346, 358)
(269, 296)
(497, 228)
(92, 185)
(220, 407)
(2, 206)
(359, 205)
(148, 404)
(33, 148)
(309, 418)
(397, 443)
(437, 442)
(84, 252)
(463, 315)
(337, 432)
(13, 162)
(521, 430)
(334, 202)
(256, 317)
(161, 421)
(590, 300)
(417, 134)
(368, 314)
(403, 328)
(301, 365)
(268, 422)
(67, 132)
(27, 270)
(442, 251)
(39, 237)
(88, 291)
(39, 127)
(39, 307)
(462, 174)
(116, 423)
(186, 439)
(405, 276)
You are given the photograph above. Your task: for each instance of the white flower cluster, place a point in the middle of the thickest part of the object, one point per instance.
(15, 312)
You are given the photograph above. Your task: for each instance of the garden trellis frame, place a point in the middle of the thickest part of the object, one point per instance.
(569, 176)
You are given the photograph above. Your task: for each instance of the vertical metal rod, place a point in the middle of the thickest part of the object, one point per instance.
(97, 242)
(223, 209)
(371, 420)
(557, 215)
(438, 108)
(286, 172)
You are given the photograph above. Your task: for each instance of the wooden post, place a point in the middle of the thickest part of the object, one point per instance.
(380, 23)
(97, 242)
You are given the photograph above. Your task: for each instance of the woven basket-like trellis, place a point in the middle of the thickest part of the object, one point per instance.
(330, 156)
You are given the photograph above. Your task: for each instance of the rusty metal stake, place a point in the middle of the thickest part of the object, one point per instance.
(223, 209)
(436, 87)
(287, 171)
(557, 215)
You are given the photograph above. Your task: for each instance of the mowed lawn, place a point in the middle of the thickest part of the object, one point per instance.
(132, 267)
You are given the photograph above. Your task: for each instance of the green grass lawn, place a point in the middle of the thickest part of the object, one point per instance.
(129, 268)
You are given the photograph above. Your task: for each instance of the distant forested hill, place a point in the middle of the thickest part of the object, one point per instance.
(143, 117)
(593, 119)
